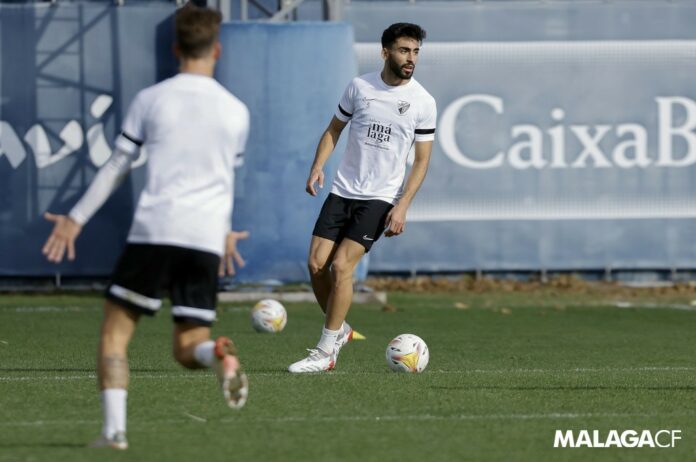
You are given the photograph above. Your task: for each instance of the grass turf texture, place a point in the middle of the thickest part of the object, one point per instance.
(506, 370)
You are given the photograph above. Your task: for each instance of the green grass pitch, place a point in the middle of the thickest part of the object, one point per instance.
(506, 370)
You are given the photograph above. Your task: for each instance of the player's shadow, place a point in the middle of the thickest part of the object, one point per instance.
(41, 445)
(73, 369)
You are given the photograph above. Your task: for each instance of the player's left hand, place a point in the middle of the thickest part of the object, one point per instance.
(232, 255)
(396, 221)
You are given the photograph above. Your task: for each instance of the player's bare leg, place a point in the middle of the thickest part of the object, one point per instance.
(116, 331)
(193, 349)
(185, 340)
(321, 253)
(336, 332)
(345, 260)
(113, 375)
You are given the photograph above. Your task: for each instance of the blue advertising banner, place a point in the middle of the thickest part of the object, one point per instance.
(67, 74)
(554, 155)
(549, 154)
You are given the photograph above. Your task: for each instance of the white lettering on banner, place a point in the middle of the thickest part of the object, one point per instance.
(72, 136)
(527, 148)
(10, 146)
(616, 439)
(667, 131)
(447, 131)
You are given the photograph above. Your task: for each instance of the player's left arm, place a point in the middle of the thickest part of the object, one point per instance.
(232, 255)
(396, 219)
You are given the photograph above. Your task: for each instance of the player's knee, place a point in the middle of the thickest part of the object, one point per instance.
(316, 268)
(341, 270)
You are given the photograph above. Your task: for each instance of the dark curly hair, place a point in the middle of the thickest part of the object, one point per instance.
(402, 29)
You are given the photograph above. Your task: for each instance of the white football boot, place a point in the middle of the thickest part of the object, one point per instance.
(117, 441)
(343, 338)
(233, 381)
(317, 361)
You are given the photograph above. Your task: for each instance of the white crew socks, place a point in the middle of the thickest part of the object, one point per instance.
(114, 410)
(204, 353)
(345, 328)
(327, 342)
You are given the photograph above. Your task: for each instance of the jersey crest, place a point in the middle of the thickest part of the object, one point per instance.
(403, 107)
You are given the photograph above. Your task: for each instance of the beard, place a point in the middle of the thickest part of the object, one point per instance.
(399, 71)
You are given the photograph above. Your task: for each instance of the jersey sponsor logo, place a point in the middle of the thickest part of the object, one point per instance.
(378, 134)
(403, 107)
(366, 101)
(367, 238)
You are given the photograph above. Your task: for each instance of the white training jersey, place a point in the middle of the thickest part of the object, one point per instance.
(385, 122)
(192, 129)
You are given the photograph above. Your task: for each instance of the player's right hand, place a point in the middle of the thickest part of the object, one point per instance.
(232, 255)
(315, 176)
(62, 238)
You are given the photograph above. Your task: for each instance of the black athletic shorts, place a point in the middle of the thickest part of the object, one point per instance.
(358, 220)
(146, 272)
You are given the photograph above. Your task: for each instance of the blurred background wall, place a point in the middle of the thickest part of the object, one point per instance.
(566, 131)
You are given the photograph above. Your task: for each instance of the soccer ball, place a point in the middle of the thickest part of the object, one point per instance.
(269, 316)
(407, 353)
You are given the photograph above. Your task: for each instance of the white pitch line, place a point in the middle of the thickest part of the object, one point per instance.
(46, 309)
(603, 304)
(195, 417)
(334, 373)
(358, 418)
(473, 417)
(652, 306)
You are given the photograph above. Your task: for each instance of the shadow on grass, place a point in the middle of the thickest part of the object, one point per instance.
(41, 445)
(74, 369)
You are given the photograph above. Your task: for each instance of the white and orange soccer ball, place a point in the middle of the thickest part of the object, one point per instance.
(269, 316)
(407, 353)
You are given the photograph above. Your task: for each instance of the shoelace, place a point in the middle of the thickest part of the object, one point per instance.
(315, 354)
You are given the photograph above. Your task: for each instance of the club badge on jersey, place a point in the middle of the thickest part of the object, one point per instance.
(403, 107)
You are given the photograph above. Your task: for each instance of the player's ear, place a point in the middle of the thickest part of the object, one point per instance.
(217, 50)
(385, 53)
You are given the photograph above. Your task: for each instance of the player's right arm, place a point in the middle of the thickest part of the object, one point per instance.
(329, 140)
(110, 176)
(326, 145)
(67, 228)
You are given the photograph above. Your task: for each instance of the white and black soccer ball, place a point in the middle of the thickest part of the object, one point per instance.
(269, 316)
(408, 353)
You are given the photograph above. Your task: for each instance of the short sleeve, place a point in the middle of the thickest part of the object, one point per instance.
(132, 134)
(425, 129)
(344, 111)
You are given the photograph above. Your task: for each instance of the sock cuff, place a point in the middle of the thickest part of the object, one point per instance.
(326, 331)
(204, 353)
(116, 392)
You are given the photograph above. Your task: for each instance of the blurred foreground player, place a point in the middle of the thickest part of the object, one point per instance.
(389, 111)
(193, 130)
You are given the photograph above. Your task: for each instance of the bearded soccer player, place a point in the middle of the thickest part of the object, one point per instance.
(193, 130)
(389, 111)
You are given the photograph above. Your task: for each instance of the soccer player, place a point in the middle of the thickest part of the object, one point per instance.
(389, 111)
(193, 130)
